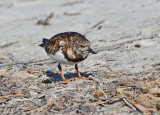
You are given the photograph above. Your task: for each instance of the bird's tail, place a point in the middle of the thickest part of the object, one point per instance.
(44, 42)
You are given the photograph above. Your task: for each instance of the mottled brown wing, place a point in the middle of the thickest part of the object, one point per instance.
(53, 45)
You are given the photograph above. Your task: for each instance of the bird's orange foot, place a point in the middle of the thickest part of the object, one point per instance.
(68, 80)
(83, 78)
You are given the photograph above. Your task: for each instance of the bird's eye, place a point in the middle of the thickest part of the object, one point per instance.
(82, 46)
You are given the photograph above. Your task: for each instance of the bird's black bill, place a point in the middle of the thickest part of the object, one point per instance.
(91, 51)
(41, 45)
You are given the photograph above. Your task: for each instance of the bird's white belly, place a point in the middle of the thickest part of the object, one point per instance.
(59, 57)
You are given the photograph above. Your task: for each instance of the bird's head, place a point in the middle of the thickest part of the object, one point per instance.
(44, 42)
(84, 46)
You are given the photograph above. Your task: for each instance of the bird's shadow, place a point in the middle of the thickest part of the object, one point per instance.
(57, 77)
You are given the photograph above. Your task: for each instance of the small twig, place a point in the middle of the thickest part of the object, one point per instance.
(97, 24)
(45, 22)
(103, 92)
(108, 67)
(72, 3)
(34, 71)
(94, 79)
(13, 58)
(22, 62)
(100, 102)
(127, 103)
(71, 14)
(8, 44)
(7, 96)
(106, 101)
(116, 46)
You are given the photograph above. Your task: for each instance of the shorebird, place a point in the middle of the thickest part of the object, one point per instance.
(67, 48)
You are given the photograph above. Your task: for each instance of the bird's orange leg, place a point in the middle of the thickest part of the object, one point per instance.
(60, 70)
(79, 75)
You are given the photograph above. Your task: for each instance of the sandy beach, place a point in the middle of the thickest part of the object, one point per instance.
(126, 35)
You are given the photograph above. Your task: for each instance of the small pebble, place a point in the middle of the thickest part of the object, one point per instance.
(33, 93)
(137, 45)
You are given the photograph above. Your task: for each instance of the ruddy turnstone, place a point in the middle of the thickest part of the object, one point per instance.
(67, 48)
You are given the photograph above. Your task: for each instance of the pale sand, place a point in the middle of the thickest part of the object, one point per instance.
(122, 20)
